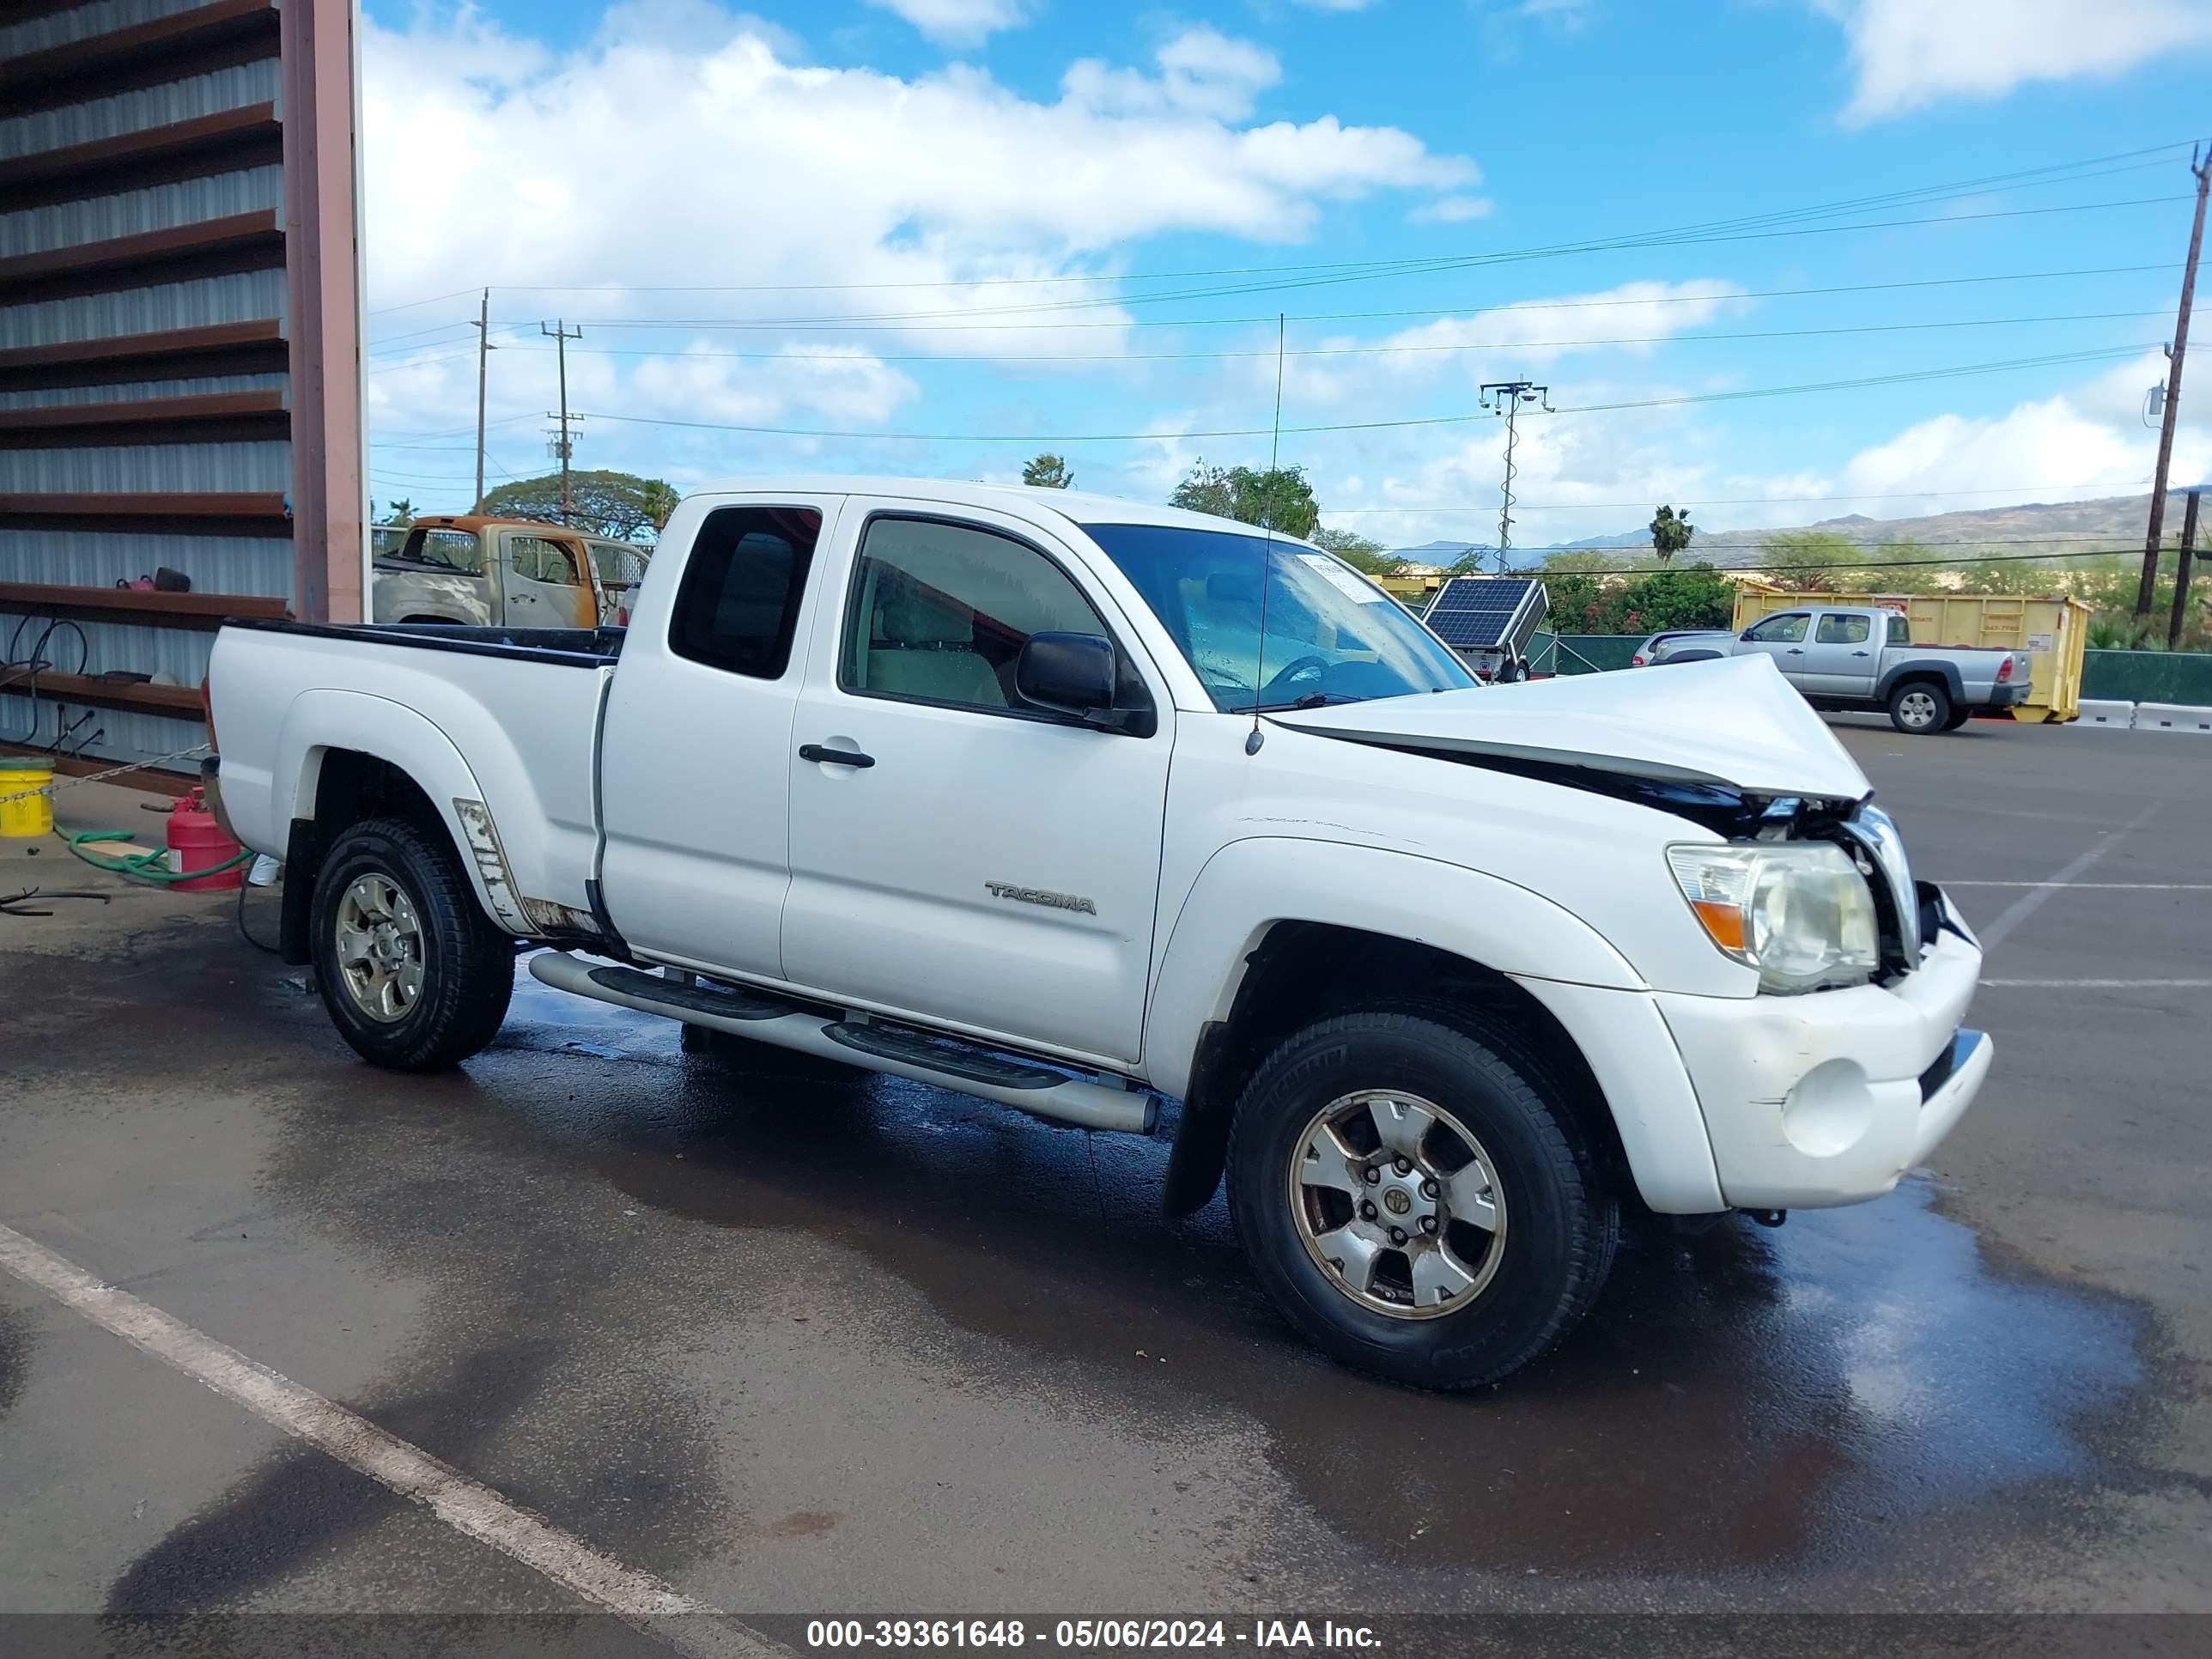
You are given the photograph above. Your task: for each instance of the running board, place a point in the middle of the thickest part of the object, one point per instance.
(946, 1062)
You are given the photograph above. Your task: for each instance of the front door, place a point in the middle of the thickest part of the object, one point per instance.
(545, 580)
(958, 853)
(1782, 637)
(1839, 659)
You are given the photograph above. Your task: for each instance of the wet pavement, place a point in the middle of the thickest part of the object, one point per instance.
(809, 1344)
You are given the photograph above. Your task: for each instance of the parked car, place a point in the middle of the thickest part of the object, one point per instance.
(1862, 657)
(480, 572)
(1007, 791)
(620, 567)
(1649, 652)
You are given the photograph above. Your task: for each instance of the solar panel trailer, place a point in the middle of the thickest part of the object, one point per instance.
(1489, 622)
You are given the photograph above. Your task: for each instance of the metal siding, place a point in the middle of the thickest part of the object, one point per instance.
(258, 565)
(244, 565)
(131, 213)
(243, 297)
(136, 111)
(120, 737)
(62, 397)
(60, 29)
(149, 468)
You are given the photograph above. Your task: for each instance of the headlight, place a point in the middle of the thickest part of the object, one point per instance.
(1796, 910)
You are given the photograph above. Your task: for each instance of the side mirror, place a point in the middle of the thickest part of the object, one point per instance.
(1068, 673)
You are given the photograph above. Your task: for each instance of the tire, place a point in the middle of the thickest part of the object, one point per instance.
(1527, 1273)
(459, 962)
(1918, 707)
(1958, 718)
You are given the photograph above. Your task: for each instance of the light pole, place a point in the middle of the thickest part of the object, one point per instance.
(1510, 395)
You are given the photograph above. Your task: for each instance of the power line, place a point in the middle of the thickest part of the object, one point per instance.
(2027, 177)
(1757, 501)
(1576, 304)
(2003, 366)
(678, 355)
(1467, 263)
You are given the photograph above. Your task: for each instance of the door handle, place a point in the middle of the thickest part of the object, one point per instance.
(1796, 651)
(1862, 653)
(525, 599)
(853, 757)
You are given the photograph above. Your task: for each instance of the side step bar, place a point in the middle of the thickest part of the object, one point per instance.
(946, 1061)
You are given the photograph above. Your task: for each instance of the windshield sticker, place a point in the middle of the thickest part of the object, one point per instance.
(1342, 579)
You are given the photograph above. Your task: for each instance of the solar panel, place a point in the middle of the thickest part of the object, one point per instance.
(1475, 613)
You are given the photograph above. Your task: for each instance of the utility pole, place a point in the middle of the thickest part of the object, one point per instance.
(2174, 353)
(562, 334)
(1510, 396)
(2181, 573)
(484, 351)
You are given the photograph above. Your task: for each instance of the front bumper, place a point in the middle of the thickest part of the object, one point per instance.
(1827, 1098)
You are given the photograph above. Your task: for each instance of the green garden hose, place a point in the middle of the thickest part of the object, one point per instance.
(151, 865)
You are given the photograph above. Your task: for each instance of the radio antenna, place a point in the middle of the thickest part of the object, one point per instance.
(1268, 551)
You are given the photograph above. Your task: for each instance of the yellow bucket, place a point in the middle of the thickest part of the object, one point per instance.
(33, 815)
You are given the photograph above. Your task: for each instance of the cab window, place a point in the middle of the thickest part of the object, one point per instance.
(538, 559)
(1785, 629)
(738, 606)
(939, 612)
(1900, 629)
(449, 550)
(1838, 628)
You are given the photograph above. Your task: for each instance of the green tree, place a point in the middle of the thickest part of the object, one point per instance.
(1670, 533)
(1697, 596)
(602, 503)
(1048, 472)
(1813, 561)
(1280, 498)
(1360, 552)
(400, 512)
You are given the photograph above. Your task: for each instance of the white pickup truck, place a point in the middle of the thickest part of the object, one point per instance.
(1008, 790)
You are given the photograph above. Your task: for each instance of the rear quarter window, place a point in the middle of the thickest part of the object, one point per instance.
(738, 608)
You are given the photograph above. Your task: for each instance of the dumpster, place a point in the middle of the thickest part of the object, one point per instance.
(2054, 632)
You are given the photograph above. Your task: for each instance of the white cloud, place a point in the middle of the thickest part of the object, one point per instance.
(1908, 54)
(1450, 211)
(1335, 5)
(1202, 72)
(726, 163)
(958, 22)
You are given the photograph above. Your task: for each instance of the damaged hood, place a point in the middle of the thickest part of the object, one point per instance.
(1733, 722)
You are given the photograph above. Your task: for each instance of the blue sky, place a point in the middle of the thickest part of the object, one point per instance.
(957, 217)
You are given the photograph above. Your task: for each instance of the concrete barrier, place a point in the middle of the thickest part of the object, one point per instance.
(2173, 717)
(2119, 716)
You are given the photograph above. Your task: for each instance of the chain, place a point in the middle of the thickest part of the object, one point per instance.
(8, 762)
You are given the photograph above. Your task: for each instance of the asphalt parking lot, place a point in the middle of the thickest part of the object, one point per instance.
(797, 1347)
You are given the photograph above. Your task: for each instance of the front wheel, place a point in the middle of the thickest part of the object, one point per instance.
(1415, 1203)
(1919, 706)
(414, 974)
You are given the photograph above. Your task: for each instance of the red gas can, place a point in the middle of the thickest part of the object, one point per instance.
(197, 842)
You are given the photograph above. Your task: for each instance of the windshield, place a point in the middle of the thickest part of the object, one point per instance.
(1333, 636)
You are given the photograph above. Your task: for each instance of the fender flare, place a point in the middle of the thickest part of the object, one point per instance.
(1925, 668)
(319, 721)
(1251, 886)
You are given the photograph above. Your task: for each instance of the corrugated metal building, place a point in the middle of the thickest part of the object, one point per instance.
(180, 353)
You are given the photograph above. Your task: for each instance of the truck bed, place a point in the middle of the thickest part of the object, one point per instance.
(574, 648)
(498, 726)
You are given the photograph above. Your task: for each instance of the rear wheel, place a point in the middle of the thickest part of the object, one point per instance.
(1919, 706)
(1958, 718)
(1416, 1204)
(416, 976)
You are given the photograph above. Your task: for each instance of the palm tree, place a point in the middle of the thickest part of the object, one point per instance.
(1670, 533)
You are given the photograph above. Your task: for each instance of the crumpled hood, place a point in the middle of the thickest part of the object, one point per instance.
(1733, 721)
